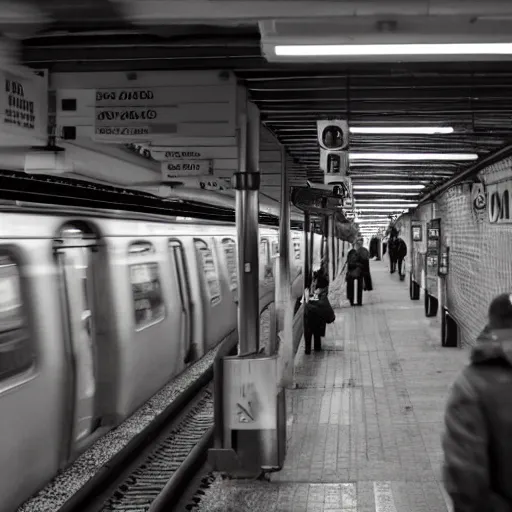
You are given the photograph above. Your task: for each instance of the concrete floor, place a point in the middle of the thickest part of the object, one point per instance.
(367, 416)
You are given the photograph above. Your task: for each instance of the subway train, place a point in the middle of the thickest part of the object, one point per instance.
(98, 311)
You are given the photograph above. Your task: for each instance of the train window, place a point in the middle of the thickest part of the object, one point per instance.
(275, 248)
(16, 350)
(229, 247)
(149, 307)
(209, 270)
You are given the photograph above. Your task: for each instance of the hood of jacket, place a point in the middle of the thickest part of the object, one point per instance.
(492, 345)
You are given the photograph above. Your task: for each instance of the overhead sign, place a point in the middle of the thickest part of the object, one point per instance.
(23, 104)
(334, 163)
(194, 153)
(498, 202)
(203, 182)
(132, 114)
(332, 134)
(186, 168)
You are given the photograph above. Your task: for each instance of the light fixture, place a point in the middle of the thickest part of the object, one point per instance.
(403, 130)
(382, 193)
(384, 200)
(413, 156)
(390, 187)
(354, 50)
(395, 210)
(387, 205)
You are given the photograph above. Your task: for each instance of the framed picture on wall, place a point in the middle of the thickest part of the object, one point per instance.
(417, 233)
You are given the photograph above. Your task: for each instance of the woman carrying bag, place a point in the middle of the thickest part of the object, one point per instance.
(318, 313)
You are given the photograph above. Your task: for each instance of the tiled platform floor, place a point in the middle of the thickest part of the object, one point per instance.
(367, 416)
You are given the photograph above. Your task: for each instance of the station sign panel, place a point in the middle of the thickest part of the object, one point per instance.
(126, 114)
(24, 107)
(185, 168)
(432, 255)
(148, 107)
(202, 182)
(332, 134)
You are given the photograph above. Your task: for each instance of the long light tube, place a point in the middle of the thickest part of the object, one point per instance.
(387, 205)
(403, 130)
(384, 200)
(389, 187)
(394, 210)
(354, 50)
(383, 193)
(413, 156)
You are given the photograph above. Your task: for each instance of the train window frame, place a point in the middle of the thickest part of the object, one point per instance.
(131, 254)
(213, 300)
(21, 377)
(171, 244)
(233, 283)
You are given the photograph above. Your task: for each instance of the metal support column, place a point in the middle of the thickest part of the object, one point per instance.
(247, 183)
(308, 236)
(284, 304)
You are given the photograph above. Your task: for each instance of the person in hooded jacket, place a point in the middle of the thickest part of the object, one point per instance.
(318, 312)
(392, 250)
(357, 265)
(477, 442)
(401, 253)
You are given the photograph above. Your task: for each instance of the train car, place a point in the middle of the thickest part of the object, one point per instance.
(98, 311)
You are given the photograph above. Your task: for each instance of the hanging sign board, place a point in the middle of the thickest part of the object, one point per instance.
(178, 168)
(24, 105)
(432, 256)
(332, 134)
(132, 114)
(417, 232)
(203, 182)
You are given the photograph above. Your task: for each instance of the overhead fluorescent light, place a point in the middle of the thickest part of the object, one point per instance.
(413, 156)
(391, 210)
(387, 205)
(396, 50)
(382, 193)
(416, 186)
(404, 130)
(383, 200)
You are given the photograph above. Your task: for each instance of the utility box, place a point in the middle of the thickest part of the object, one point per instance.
(251, 420)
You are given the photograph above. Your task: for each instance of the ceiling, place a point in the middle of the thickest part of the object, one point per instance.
(474, 98)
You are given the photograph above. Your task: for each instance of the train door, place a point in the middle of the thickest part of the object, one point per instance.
(76, 250)
(178, 259)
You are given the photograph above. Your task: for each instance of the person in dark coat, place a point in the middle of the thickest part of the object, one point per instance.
(357, 264)
(401, 253)
(318, 313)
(374, 248)
(392, 250)
(477, 442)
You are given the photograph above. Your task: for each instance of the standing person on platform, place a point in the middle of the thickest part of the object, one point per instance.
(357, 264)
(318, 313)
(401, 253)
(477, 443)
(392, 250)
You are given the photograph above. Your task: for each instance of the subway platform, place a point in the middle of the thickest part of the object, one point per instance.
(367, 416)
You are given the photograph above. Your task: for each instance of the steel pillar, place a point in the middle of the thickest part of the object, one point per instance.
(284, 304)
(247, 183)
(307, 251)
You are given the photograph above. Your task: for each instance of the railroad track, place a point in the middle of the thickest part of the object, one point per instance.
(149, 474)
(158, 479)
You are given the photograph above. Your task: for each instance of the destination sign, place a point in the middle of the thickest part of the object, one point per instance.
(177, 168)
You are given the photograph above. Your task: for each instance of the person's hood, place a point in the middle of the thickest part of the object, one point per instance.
(495, 344)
